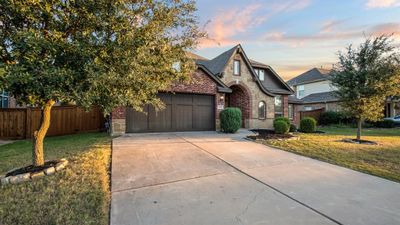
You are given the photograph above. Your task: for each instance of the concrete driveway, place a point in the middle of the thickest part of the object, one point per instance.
(199, 178)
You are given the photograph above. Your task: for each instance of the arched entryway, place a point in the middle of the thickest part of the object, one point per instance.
(240, 98)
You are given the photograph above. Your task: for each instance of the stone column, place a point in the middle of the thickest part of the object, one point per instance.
(118, 121)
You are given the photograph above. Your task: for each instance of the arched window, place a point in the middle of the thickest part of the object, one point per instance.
(261, 110)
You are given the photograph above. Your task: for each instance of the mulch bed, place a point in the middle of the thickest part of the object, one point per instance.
(355, 141)
(269, 134)
(32, 169)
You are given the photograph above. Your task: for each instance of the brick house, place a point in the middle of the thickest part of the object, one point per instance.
(313, 90)
(229, 80)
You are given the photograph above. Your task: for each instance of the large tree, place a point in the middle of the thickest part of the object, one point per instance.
(93, 52)
(365, 76)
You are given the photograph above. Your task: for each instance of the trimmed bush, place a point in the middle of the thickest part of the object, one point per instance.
(281, 127)
(293, 128)
(308, 125)
(330, 117)
(286, 120)
(231, 120)
(385, 124)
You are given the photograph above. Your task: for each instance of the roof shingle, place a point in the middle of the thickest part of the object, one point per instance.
(315, 74)
(321, 97)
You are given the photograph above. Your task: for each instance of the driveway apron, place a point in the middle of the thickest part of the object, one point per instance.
(213, 178)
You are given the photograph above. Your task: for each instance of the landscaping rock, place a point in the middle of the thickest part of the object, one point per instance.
(50, 170)
(37, 175)
(5, 180)
(60, 166)
(20, 178)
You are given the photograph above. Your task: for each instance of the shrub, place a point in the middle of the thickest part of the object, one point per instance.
(293, 128)
(385, 124)
(331, 117)
(308, 125)
(281, 127)
(286, 120)
(231, 120)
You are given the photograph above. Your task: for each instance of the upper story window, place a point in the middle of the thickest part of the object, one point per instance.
(260, 73)
(4, 99)
(300, 91)
(278, 106)
(236, 67)
(261, 110)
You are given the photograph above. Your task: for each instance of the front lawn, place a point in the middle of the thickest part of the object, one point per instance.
(381, 160)
(80, 194)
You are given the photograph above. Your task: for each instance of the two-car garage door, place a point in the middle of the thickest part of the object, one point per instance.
(183, 112)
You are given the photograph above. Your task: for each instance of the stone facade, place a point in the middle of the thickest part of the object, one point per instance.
(247, 82)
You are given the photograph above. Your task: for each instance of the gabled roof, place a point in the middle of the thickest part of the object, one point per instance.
(218, 65)
(321, 97)
(313, 75)
(286, 90)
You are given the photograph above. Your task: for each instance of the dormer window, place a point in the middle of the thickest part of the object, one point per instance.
(261, 74)
(236, 67)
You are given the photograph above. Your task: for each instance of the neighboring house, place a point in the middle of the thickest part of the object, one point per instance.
(314, 90)
(229, 80)
(7, 101)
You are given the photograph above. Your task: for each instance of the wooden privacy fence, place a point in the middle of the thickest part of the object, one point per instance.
(21, 123)
(316, 114)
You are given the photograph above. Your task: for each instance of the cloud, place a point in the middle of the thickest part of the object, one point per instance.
(382, 3)
(333, 31)
(224, 28)
(387, 28)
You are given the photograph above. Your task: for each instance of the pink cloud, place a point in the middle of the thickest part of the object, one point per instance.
(223, 29)
(382, 3)
(331, 31)
(230, 23)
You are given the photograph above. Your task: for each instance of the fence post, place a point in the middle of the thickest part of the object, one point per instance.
(28, 123)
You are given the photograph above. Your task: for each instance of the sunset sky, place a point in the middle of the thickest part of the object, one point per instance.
(294, 35)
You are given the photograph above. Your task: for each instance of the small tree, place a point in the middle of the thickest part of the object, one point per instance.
(365, 77)
(103, 52)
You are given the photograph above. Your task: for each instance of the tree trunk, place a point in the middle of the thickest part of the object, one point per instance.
(359, 126)
(38, 155)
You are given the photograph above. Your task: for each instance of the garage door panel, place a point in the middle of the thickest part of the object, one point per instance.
(183, 112)
(205, 100)
(137, 121)
(203, 118)
(183, 117)
(160, 120)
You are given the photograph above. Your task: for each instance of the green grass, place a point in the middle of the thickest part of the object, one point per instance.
(381, 160)
(77, 195)
(344, 130)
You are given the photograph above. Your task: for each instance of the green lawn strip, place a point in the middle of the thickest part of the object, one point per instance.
(381, 160)
(77, 195)
(345, 130)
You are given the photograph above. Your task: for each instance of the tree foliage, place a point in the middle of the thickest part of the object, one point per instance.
(366, 76)
(95, 52)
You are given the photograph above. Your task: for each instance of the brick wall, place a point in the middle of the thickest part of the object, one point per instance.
(199, 83)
